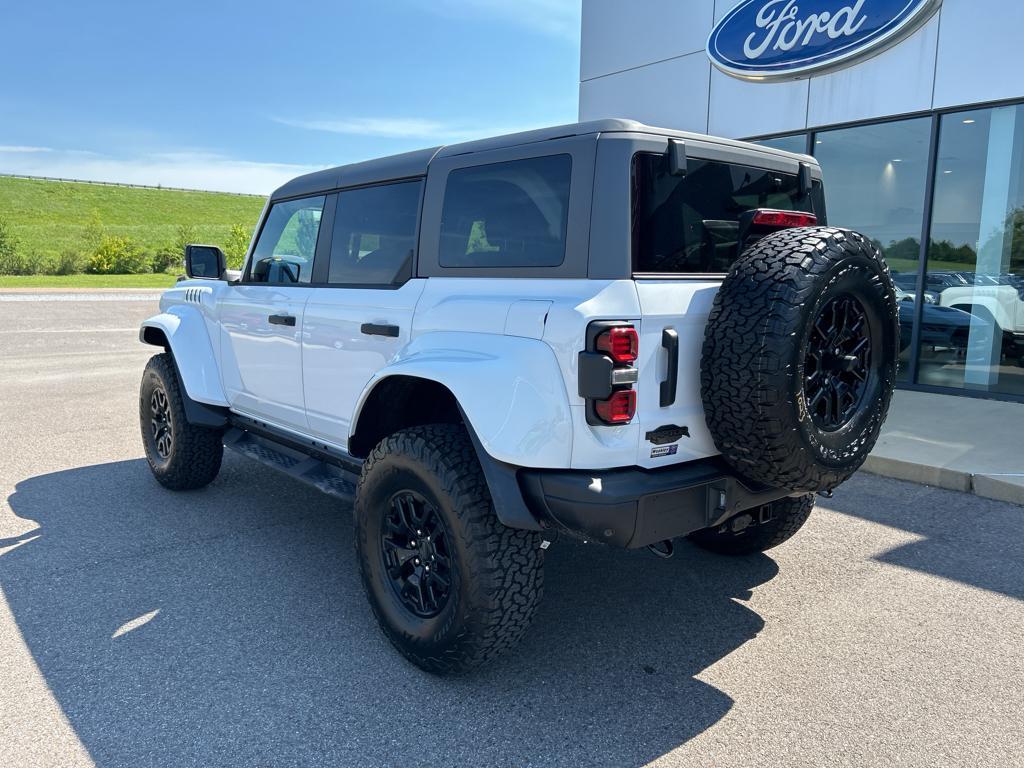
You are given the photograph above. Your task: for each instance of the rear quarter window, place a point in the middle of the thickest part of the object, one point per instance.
(509, 214)
(690, 224)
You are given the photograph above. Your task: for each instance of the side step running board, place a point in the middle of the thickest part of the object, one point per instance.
(325, 477)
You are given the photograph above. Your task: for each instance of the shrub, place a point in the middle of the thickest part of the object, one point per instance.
(118, 256)
(166, 258)
(40, 264)
(16, 263)
(92, 237)
(11, 262)
(185, 235)
(69, 262)
(236, 246)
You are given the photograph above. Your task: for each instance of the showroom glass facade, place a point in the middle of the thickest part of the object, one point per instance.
(942, 196)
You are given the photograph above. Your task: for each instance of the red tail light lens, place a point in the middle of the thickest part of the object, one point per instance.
(617, 409)
(767, 217)
(620, 344)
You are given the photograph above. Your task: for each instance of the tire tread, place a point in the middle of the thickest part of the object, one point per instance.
(197, 452)
(505, 582)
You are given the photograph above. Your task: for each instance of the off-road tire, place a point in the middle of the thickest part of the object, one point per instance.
(497, 579)
(743, 534)
(195, 454)
(756, 352)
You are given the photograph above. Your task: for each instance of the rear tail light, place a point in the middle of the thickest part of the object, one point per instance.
(607, 373)
(766, 217)
(620, 344)
(617, 409)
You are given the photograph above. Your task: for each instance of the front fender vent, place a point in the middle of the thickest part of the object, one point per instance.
(195, 295)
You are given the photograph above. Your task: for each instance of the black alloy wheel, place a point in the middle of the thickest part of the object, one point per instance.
(837, 365)
(417, 554)
(160, 424)
(449, 584)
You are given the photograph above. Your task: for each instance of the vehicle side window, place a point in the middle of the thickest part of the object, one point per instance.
(511, 214)
(375, 234)
(284, 251)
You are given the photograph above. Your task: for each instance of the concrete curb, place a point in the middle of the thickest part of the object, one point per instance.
(1009, 488)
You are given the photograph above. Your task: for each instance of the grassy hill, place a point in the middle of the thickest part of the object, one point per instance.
(50, 217)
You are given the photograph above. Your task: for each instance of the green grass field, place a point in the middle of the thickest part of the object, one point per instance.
(163, 280)
(49, 217)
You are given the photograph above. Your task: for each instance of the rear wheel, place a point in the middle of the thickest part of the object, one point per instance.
(180, 455)
(758, 529)
(451, 586)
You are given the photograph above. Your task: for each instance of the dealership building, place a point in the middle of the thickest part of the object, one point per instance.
(915, 110)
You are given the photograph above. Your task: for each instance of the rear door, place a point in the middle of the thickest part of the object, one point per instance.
(685, 238)
(359, 316)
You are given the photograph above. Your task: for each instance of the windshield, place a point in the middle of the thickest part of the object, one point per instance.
(690, 224)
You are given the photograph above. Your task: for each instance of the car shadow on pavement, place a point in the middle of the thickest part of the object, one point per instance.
(228, 627)
(963, 538)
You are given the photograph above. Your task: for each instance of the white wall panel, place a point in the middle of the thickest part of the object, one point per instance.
(741, 109)
(979, 52)
(621, 34)
(672, 94)
(895, 82)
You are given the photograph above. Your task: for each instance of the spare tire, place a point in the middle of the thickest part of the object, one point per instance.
(799, 358)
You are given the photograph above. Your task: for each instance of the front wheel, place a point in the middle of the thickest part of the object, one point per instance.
(758, 529)
(451, 586)
(181, 456)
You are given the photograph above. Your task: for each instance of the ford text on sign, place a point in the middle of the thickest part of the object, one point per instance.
(791, 39)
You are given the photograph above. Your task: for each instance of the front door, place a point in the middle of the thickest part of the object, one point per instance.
(261, 318)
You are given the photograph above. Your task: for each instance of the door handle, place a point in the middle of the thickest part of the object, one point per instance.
(281, 320)
(670, 341)
(375, 329)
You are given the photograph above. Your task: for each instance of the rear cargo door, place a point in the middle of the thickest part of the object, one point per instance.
(668, 406)
(685, 237)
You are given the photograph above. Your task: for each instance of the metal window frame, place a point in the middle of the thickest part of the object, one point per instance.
(936, 115)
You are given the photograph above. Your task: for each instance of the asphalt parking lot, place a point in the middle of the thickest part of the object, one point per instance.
(228, 627)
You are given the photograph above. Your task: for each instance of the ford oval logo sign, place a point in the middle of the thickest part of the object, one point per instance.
(793, 39)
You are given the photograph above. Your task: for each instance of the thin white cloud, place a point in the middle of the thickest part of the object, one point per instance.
(421, 129)
(557, 18)
(15, 149)
(189, 170)
(391, 128)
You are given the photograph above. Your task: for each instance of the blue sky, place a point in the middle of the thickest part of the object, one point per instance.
(242, 96)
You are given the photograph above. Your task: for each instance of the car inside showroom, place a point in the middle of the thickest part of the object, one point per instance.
(912, 109)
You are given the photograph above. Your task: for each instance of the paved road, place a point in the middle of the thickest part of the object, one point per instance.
(227, 626)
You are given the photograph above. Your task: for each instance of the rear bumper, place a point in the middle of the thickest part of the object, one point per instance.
(636, 507)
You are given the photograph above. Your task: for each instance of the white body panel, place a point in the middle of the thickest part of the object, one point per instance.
(684, 306)
(185, 332)
(504, 387)
(261, 362)
(339, 360)
(506, 348)
(508, 387)
(188, 323)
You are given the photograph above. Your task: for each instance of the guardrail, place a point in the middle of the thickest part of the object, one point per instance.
(128, 186)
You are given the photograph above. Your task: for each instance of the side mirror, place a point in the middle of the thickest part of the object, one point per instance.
(205, 262)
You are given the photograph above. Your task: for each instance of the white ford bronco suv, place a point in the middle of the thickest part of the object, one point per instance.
(605, 330)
